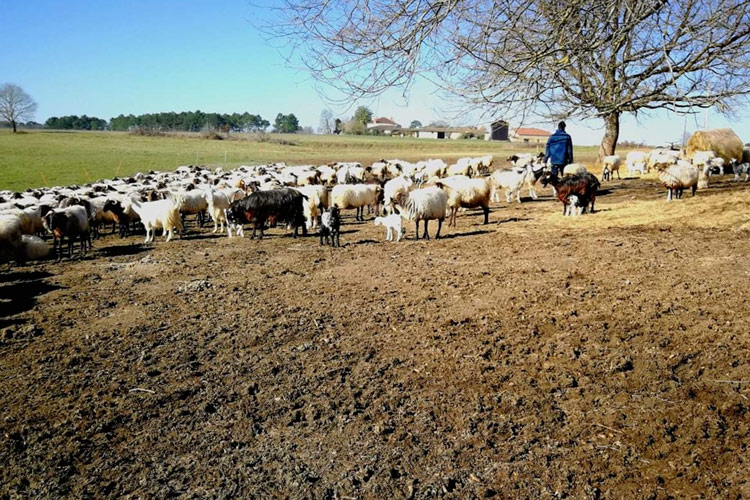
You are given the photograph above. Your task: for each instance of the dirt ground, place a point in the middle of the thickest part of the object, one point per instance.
(606, 356)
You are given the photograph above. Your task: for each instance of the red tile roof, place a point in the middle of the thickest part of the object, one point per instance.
(531, 131)
(386, 121)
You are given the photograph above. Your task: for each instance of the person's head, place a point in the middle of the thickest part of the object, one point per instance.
(561, 126)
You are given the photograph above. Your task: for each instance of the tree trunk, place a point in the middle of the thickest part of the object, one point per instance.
(612, 132)
(14, 126)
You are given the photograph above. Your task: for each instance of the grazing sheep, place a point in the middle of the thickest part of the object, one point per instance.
(330, 226)
(740, 169)
(661, 158)
(461, 167)
(391, 223)
(512, 180)
(218, 202)
(464, 192)
(193, 203)
(317, 196)
(585, 186)
(612, 162)
(423, 204)
(636, 162)
(164, 214)
(393, 188)
(678, 177)
(355, 196)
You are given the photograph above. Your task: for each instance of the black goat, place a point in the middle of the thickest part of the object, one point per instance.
(283, 205)
(330, 226)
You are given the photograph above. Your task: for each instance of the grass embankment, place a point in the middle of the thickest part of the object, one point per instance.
(49, 158)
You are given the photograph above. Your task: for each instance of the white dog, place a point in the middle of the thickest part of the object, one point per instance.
(391, 222)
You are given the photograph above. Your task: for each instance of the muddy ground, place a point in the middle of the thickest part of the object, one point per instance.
(522, 359)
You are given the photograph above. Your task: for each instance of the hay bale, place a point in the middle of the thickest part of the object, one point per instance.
(722, 141)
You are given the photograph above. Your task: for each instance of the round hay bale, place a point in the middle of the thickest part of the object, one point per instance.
(722, 141)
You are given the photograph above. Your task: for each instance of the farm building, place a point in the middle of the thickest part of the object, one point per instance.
(449, 132)
(529, 135)
(498, 131)
(384, 125)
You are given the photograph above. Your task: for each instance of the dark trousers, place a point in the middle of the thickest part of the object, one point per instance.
(555, 169)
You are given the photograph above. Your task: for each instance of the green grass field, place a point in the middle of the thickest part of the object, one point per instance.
(49, 158)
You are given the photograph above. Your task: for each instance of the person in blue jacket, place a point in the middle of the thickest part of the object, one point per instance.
(559, 150)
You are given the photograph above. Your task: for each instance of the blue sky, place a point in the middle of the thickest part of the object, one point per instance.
(111, 57)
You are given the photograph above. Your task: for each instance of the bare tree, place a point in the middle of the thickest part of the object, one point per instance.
(326, 124)
(15, 104)
(544, 58)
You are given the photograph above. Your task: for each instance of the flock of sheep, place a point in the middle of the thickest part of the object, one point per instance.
(305, 197)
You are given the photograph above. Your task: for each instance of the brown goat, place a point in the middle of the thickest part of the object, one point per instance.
(585, 186)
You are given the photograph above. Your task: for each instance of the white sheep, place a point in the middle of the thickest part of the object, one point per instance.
(510, 179)
(423, 204)
(465, 192)
(327, 175)
(358, 196)
(164, 214)
(34, 248)
(391, 223)
(11, 243)
(677, 177)
(612, 162)
(461, 167)
(393, 187)
(574, 169)
(218, 202)
(317, 196)
(636, 162)
(193, 203)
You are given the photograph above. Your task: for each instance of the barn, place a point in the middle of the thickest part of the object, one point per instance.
(498, 131)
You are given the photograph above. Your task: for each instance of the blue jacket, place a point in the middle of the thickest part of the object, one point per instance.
(559, 148)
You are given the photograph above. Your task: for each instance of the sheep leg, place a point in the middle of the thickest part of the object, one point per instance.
(518, 195)
(669, 194)
(693, 189)
(440, 225)
(426, 235)
(486, 210)
(416, 233)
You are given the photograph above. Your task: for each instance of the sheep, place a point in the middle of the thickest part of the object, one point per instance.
(636, 162)
(461, 167)
(70, 222)
(218, 202)
(512, 180)
(423, 204)
(317, 196)
(574, 169)
(352, 173)
(464, 192)
(431, 167)
(193, 203)
(164, 214)
(678, 177)
(34, 248)
(122, 216)
(31, 219)
(585, 186)
(11, 242)
(285, 205)
(391, 223)
(392, 188)
(716, 164)
(612, 162)
(355, 196)
(661, 158)
(330, 226)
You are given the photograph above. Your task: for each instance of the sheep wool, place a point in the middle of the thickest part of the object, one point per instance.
(678, 177)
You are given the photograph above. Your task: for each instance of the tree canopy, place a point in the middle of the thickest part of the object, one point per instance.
(16, 105)
(415, 124)
(74, 122)
(191, 121)
(542, 58)
(286, 124)
(362, 115)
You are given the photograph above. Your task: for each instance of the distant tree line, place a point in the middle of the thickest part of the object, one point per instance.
(191, 121)
(74, 122)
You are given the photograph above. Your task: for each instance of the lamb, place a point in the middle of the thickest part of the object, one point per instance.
(612, 162)
(636, 162)
(391, 223)
(678, 177)
(512, 180)
(423, 204)
(464, 192)
(355, 196)
(739, 169)
(575, 205)
(585, 186)
(285, 205)
(34, 248)
(164, 214)
(70, 222)
(330, 226)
